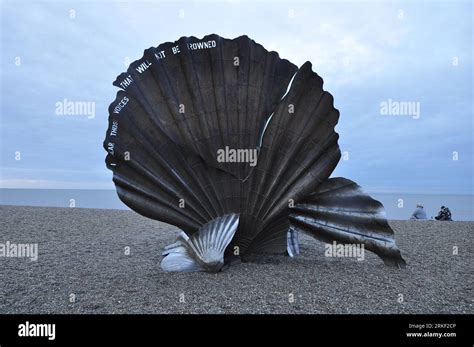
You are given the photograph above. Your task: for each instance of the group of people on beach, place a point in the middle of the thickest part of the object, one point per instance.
(443, 214)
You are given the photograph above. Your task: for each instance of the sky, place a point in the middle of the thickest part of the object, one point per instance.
(370, 54)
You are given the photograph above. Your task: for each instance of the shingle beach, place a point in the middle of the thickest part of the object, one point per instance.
(107, 261)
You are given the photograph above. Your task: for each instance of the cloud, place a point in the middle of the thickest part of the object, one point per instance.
(366, 52)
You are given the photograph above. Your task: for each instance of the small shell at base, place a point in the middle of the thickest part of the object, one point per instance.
(204, 250)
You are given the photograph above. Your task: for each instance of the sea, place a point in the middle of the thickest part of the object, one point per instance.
(398, 206)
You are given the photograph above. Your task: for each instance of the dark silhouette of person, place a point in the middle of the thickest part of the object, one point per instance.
(444, 214)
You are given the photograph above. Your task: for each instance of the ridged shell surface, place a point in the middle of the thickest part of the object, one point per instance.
(182, 113)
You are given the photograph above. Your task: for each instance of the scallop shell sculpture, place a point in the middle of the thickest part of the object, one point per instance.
(235, 146)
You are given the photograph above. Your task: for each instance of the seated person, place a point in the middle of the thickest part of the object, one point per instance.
(419, 213)
(444, 214)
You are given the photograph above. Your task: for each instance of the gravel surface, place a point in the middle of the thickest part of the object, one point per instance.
(82, 252)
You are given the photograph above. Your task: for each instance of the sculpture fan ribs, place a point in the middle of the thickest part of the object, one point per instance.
(182, 130)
